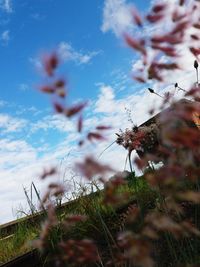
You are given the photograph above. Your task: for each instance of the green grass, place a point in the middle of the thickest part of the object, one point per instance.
(91, 205)
(102, 224)
(17, 243)
(103, 221)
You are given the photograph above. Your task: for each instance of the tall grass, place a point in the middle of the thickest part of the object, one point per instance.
(151, 220)
(19, 242)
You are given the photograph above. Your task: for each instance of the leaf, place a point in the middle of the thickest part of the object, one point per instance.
(194, 37)
(58, 108)
(91, 167)
(50, 63)
(171, 39)
(103, 127)
(61, 92)
(80, 124)
(94, 135)
(158, 8)
(60, 83)
(197, 26)
(153, 73)
(136, 44)
(137, 17)
(166, 66)
(75, 109)
(180, 27)
(140, 79)
(168, 50)
(176, 16)
(154, 18)
(47, 89)
(181, 2)
(195, 51)
(50, 172)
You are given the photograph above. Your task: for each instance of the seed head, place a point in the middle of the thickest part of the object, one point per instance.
(196, 65)
(151, 90)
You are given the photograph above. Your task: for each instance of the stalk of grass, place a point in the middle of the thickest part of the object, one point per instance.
(38, 196)
(106, 149)
(30, 203)
(19, 243)
(108, 237)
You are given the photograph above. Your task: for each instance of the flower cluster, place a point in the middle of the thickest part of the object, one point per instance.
(131, 139)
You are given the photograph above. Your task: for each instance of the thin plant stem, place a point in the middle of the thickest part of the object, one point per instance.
(181, 89)
(132, 171)
(158, 95)
(31, 206)
(107, 235)
(130, 164)
(106, 149)
(197, 76)
(125, 162)
(38, 195)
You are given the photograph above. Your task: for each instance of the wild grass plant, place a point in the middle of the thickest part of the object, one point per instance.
(92, 218)
(19, 242)
(160, 225)
(152, 220)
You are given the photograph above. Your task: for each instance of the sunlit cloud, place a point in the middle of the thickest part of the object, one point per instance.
(116, 17)
(9, 124)
(68, 53)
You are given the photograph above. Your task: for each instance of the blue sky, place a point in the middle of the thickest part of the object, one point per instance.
(93, 58)
(30, 28)
(97, 64)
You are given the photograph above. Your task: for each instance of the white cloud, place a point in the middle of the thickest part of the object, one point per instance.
(105, 102)
(55, 122)
(107, 109)
(6, 5)
(185, 76)
(116, 17)
(112, 108)
(33, 111)
(16, 158)
(68, 53)
(5, 37)
(9, 124)
(21, 162)
(16, 153)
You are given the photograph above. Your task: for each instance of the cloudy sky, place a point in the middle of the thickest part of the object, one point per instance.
(97, 65)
